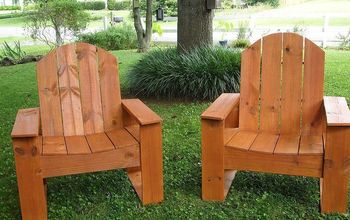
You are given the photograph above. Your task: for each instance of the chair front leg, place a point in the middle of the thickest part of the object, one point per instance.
(31, 185)
(213, 177)
(334, 184)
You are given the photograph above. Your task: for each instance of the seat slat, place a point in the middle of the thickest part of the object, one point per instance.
(291, 83)
(250, 87)
(264, 142)
(313, 120)
(229, 133)
(287, 144)
(77, 145)
(110, 90)
(90, 88)
(50, 107)
(311, 144)
(54, 145)
(68, 78)
(134, 130)
(242, 140)
(271, 83)
(99, 142)
(121, 138)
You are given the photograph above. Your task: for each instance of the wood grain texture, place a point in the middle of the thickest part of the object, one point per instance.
(68, 80)
(250, 87)
(291, 93)
(221, 107)
(110, 90)
(121, 138)
(134, 130)
(264, 143)
(242, 140)
(287, 144)
(232, 119)
(49, 97)
(77, 145)
(212, 160)
(229, 133)
(27, 123)
(59, 165)
(151, 163)
(271, 83)
(90, 88)
(99, 142)
(311, 144)
(305, 165)
(53, 145)
(313, 121)
(337, 111)
(29, 178)
(143, 114)
(334, 185)
(229, 176)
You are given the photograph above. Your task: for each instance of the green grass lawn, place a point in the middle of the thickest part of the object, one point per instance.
(109, 195)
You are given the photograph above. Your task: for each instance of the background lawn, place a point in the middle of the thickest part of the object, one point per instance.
(109, 195)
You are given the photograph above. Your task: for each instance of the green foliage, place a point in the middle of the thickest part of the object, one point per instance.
(227, 4)
(119, 5)
(157, 28)
(65, 17)
(118, 37)
(169, 6)
(93, 5)
(15, 54)
(200, 74)
(244, 31)
(273, 3)
(14, 15)
(240, 43)
(9, 7)
(344, 41)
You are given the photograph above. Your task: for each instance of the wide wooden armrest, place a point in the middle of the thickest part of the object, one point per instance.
(337, 111)
(140, 111)
(221, 107)
(27, 123)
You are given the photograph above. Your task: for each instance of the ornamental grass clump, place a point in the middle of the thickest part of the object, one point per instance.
(200, 74)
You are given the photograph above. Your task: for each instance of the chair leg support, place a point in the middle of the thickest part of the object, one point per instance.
(151, 163)
(31, 185)
(334, 184)
(213, 178)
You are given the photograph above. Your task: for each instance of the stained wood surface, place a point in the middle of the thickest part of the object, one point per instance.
(134, 130)
(53, 145)
(221, 107)
(291, 87)
(229, 133)
(99, 142)
(312, 144)
(143, 114)
(287, 144)
(242, 140)
(337, 111)
(313, 120)
(27, 123)
(264, 142)
(122, 138)
(77, 145)
(50, 107)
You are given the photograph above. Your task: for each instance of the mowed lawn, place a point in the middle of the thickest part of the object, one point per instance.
(109, 195)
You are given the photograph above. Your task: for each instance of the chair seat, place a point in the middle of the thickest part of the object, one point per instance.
(273, 143)
(92, 143)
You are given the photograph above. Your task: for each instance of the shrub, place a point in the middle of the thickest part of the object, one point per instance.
(240, 43)
(344, 41)
(119, 37)
(273, 3)
(14, 54)
(9, 7)
(169, 6)
(200, 74)
(93, 5)
(119, 5)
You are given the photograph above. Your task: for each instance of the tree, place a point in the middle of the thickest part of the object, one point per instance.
(52, 20)
(195, 24)
(144, 36)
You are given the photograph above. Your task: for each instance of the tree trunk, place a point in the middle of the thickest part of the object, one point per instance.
(195, 24)
(143, 36)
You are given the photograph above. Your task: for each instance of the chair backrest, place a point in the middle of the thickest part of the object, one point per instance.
(79, 91)
(282, 79)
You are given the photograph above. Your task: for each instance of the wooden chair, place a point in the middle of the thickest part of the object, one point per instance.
(83, 126)
(279, 123)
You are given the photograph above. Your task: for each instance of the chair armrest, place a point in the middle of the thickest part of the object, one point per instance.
(140, 111)
(221, 107)
(337, 111)
(27, 123)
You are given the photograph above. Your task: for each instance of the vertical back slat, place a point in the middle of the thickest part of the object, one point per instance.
(68, 78)
(271, 83)
(250, 87)
(110, 90)
(90, 88)
(313, 121)
(50, 107)
(291, 83)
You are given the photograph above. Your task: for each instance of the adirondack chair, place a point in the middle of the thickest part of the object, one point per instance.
(83, 126)
(279, 123)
